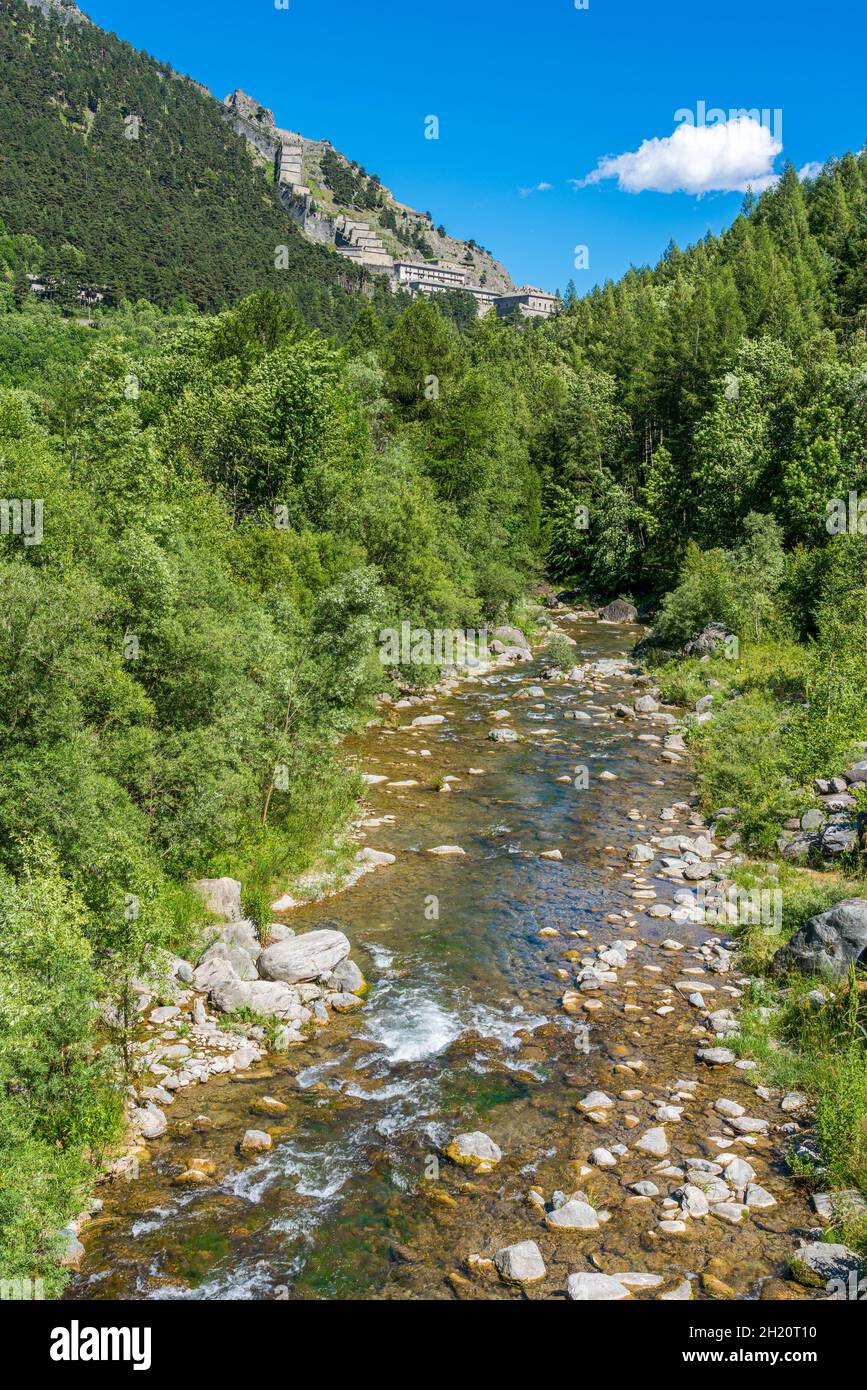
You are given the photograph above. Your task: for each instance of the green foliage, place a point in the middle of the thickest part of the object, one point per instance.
(818, 1049)
(737, 588)
(184, 649)
(58, 1107)
(726, 381)
(560, 651)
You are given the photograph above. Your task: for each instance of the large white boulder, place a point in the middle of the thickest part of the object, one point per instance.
(304, 957)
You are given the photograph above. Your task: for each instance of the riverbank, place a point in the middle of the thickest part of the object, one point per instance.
(524, 986)
(757, 748)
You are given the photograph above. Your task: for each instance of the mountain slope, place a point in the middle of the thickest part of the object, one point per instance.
(179, 210)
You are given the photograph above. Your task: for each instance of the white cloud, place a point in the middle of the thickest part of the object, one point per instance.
(537, 188)
(811, 170)
(729, 156)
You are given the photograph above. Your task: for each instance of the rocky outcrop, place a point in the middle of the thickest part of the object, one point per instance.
(319, 979)
(828, 943)
(705, 643)
(63, 10)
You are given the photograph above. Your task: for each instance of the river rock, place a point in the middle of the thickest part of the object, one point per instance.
(653, 1142)
(715, 1056)
(692, 1200)
(374, 858)
(645, 704)
(73, 1251)
(603, 1158)
(182, 970)
(759, 1197)
(149, 1120)
(255, 1141)
(828, 943)
(512, 637)
(844, 1205)
(729, 1107)
(269, 1105)
(637, 1280)
(244, 934)
(474, 1150)
(305, 957)
(503, 736)
(521, 1263)
(596, 1100)
(221, 962)
(746, 1124)
(640, 854)
(739, 1174)
(222, 896)
(273, 999)
(732, 1212)
(343, 1003)
(618, 612)
(244, 1056)
(573, 1216)
(346, 978)
(681, 1294)
(229, 992)
(587, 1288)
(164, 1014)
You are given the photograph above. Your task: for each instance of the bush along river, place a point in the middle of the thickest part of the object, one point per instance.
(535, 1096)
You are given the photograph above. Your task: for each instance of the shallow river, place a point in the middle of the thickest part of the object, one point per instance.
(462, 1030)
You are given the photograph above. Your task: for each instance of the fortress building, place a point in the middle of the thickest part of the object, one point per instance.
(358, 241)
(530, 302)
(426, 277)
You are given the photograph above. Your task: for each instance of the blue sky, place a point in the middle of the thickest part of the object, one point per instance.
(536, 93)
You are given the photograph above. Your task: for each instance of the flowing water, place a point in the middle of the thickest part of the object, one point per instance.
(462, 1030)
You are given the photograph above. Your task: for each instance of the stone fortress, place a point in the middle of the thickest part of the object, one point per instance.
(298, 175)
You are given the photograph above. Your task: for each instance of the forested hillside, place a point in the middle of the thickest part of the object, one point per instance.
(233, 506)
(129, 180)
(724, 381)
(715, 428)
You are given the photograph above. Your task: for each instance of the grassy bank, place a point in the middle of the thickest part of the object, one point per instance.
(809, 1036)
